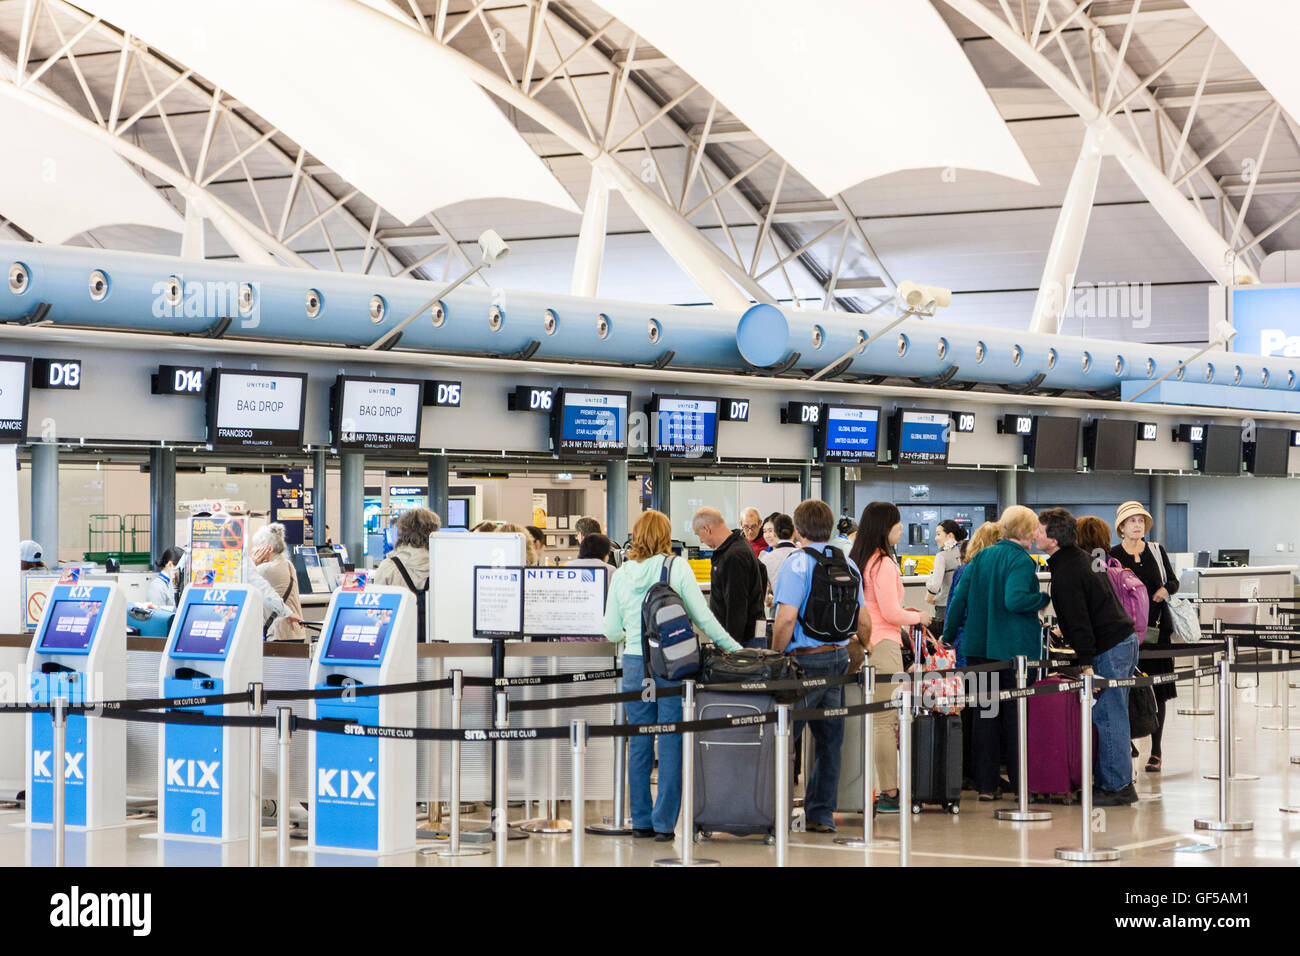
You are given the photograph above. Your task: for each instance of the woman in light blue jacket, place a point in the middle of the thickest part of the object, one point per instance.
(651, 545)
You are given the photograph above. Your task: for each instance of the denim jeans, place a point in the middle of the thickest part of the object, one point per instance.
(1110, 715)
(828, 735)
(662, 818)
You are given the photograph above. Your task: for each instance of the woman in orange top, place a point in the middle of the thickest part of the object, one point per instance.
(880, 529)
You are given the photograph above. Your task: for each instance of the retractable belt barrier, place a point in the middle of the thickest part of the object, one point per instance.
(1243, 600)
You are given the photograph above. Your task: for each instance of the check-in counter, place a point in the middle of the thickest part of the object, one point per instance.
(1267, 581)
(285, 667)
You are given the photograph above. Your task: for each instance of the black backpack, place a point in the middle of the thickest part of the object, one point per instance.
(421, 599)
(830, 614)
(669, 646)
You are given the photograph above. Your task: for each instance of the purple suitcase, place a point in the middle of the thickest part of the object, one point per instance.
(1053, 755)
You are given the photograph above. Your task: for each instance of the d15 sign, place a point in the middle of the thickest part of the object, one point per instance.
(56, 373)
(445, 394)
(179, 380)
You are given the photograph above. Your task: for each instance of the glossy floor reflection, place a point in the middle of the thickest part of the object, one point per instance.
(1157, 832)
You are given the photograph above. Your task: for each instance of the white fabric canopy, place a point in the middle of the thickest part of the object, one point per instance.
(367, 95)
(1261, 34)
(845, 90)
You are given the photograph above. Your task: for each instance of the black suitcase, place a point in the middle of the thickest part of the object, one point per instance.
(735, 785)
(936, 761)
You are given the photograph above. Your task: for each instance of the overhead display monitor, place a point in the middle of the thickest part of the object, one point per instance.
(70, 626)
(1220, 452)
(920, 437)
(358, 635)
(849, 434)
(1110, 445)
(1269, 455)
(206, 630)
(590, 424)
(1053, 445)
(684, 427)
(376, 414)
(15, 382)
(261, 410)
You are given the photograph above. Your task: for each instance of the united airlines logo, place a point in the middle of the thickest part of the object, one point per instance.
(381, 390)
(267, 384)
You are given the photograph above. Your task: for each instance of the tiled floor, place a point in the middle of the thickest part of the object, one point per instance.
(1156, 832)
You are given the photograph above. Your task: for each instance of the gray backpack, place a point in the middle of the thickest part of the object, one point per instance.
(668, 641)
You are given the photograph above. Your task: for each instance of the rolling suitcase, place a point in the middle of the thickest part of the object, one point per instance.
(735, 786)
(936, 753)
(1053, 755)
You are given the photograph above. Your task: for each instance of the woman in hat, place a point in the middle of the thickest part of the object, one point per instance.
(1150, 562)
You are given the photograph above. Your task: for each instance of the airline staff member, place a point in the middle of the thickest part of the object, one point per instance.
(162, 589)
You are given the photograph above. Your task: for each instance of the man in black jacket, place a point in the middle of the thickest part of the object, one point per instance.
(738, 583)
(1102, 635)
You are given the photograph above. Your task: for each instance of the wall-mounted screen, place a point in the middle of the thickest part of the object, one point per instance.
(1268, 456)
(1110, 445)
(684, 427)
(256, 409)
(920, 437)
(1054, 444)
(590, 424)
(850, 434)
(1220, 452)
(15, 380)
(376, 414)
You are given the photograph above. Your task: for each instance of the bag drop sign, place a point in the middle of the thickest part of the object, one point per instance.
(260, 402)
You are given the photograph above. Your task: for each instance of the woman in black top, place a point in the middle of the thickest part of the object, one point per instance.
(1151, 565)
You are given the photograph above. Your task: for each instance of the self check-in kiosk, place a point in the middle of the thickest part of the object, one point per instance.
(215, 648)
(79, 653)
(363, 787)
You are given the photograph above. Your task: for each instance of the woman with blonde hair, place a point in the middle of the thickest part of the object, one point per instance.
(531, 557)
(644, 566)
(996, 605)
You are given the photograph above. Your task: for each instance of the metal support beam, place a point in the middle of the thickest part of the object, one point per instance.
(616, 500)
(833, 488)
(162, 501)
(805, 482)
(439, 485)
(661, 488)
(1159, 500)
(1184, 218)
(1067, 241)
(352, 500)
(319, 495)
(192, 239)
(1008, 489)
(591, 239)
(45, 501)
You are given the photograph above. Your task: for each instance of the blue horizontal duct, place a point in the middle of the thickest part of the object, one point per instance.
(134, 292)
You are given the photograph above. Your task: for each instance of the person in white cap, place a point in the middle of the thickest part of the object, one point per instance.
(29, 556)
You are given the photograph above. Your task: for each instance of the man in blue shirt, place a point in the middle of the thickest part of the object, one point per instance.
(813, 523)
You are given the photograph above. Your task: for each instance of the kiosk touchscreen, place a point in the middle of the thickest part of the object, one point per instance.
(215, 648)
(363, 796)
(79, 653)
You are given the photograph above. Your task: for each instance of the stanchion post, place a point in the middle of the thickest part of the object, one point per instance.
(60, 765)
(499, 812)
(550, 821)
(867, 681)
(616, 825)
(1086, 852)
(1225, 755)
(688, 787)
(454, 847)
(1196, 710)
(577, 799)
(905, 778)
(1227, 702)
(257, 701)
(782, 784)
(283, 737)
(1022, 813)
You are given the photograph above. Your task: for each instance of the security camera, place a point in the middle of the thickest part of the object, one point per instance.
(492, 246)
(922, 297)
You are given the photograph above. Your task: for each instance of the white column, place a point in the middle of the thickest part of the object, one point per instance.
(591, 240)
(1067, 241)
(192, 238)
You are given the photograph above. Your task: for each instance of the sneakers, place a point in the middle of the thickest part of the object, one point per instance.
(1114, 798)
(886, 803)
(821, 828)
(987, 797)
(665, 837)
(645, 834)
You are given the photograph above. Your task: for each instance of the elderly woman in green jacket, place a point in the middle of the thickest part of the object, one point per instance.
(997, 602)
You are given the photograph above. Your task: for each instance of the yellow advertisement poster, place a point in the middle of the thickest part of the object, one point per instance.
(217, 550)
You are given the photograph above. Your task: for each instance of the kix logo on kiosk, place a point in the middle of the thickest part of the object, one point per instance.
(79, 654)
(215, 648)
(363, 787)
